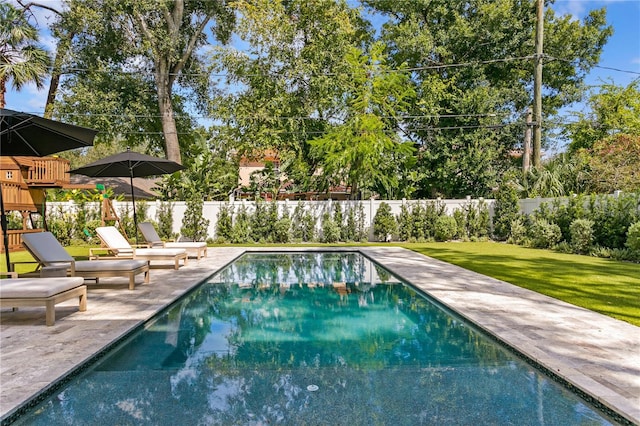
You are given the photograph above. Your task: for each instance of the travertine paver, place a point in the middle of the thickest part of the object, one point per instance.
(597, 354)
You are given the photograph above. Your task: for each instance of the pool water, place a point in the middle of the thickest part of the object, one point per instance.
(311, 339)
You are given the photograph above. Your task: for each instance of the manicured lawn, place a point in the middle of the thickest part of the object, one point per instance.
(602, 285)
(606, 286)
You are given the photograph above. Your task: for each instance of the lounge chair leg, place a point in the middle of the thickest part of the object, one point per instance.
(83, 300)
(132, 281)
(146, 277)
(50, 312)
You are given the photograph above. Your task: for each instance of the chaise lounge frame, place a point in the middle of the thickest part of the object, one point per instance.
(95, 272)
(149, 233)
(49, 302)
(122, 249)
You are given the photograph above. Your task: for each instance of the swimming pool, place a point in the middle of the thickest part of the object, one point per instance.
(314, 338)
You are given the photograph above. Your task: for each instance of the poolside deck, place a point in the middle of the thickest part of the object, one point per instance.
(597, 354)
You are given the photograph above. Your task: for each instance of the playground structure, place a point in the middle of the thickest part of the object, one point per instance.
(24, 180)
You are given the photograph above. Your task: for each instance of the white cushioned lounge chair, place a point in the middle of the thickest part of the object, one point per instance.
(49, 253)
(118, 247)
(47, 292)
(194, 248)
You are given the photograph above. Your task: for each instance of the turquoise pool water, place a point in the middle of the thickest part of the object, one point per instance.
(310, 339)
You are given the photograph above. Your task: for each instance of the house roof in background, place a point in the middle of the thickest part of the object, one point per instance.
(142, 187)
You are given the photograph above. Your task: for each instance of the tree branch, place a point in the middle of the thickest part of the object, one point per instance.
(189, 48)
(41, 5)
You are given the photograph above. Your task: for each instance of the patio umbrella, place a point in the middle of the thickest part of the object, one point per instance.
(30, 135)
(131, 164)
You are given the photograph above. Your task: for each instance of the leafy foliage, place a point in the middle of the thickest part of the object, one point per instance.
(581, 231)
(613, 110)
(194, 225)
(445, 228)
(505, 210)
(22, 59)
(384, 223)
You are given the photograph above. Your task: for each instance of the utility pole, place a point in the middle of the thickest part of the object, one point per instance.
(537, 84)
(526, 151)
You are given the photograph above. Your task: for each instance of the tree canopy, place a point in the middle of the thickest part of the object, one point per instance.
(22, 59)
(416, 98)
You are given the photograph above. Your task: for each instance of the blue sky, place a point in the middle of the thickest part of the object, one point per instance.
(622, 52)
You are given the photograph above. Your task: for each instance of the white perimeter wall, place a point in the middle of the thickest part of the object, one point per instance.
(370, 207)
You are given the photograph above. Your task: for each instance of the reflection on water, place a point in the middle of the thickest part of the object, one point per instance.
(311, 339)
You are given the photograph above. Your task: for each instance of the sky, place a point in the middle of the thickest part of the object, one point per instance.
(621, 53)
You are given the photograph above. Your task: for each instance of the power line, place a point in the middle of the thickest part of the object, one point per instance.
(594, 66)
(282, 117)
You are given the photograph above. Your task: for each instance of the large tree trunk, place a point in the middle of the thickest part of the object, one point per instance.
(61, 52)
(172, 146)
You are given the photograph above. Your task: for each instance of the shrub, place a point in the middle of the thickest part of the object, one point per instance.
(282, 228)
(89, 231)
(623, 254)
(350, 229)
(581, 235)
(432, 211)
(362, 232)
(404, 223)
(62, 228)
(338, 218)
(241, 229)
(165, 220)
(445, 228)
(473, 219)
(633, 238)
(384, 223)
(544, 234)
(330, 229)
(566, 211)
(614, 215)
(518, 232)
(194, 225)
(418, 221)
(261, 223)
(224, 223)
(505, 211)
(303, 224)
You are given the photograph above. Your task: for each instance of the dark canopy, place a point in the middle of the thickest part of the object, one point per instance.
(30, 135)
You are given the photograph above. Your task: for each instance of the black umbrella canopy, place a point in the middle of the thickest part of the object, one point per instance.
(132, 164)
(129, 164)
(30, 135)
(33, 136)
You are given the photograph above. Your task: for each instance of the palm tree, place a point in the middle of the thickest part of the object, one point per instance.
(22, 59)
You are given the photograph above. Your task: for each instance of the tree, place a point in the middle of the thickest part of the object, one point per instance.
(613, 162)
(281, 85)
(473, 73)
(22, 59)
(612, 110)
(359, 151)
(143, 50)
(211, 173)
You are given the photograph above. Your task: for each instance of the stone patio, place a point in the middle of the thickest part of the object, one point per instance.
(597, 354)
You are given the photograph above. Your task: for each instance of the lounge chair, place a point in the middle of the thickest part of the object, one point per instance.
(194, 248)
(49, 254)
(118, 247)
(19, 292)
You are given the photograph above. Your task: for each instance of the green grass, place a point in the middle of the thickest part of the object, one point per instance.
(606, 286)
(602, 285)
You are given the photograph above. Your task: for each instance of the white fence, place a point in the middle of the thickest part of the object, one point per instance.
(211, 209)
(318, 208)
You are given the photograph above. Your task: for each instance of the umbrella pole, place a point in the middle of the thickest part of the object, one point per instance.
(3, 224)
(133, 200)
